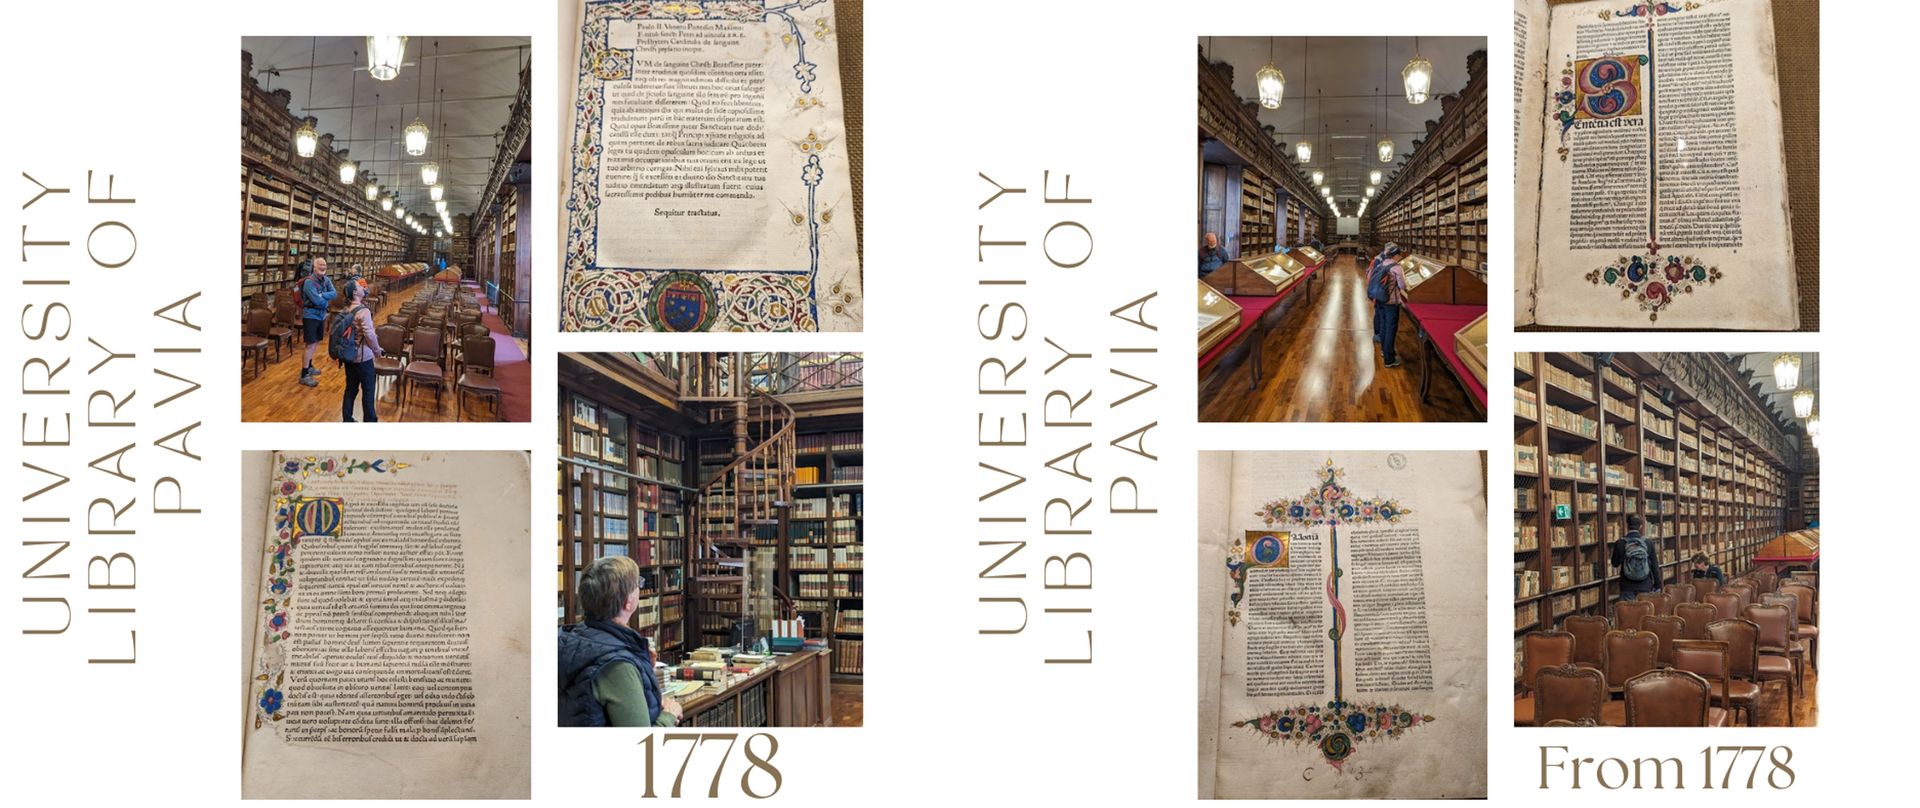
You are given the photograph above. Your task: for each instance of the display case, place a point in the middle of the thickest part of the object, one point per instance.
(1219, 316)
(1470, 343)
(1430, 281)
(1262, 276)
(1307, 255)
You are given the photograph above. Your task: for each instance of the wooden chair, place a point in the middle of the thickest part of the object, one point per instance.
(1666, 628)
(1676, 595)
(1669, 698)
(1775, 624)
(286, 324)
(424, 367)
(1726, 605)
(1696, 616)
(1538, 650)
(392, 359)
(1589, 638)
(1659, 601)
(1561, 722)
(1808, 608)
(253, 353)
(1748, 591)
(1628, 654)
(1627, 614)
(260, 324)
(477, 379)
(1797, 649)
(1703, 587)
(1708, 660)
(1568, 693)
(1743, 654)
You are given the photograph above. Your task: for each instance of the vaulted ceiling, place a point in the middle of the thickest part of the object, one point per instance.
(478, 77)
(1342, 93)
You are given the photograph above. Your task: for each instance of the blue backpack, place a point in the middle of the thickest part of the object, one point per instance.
(1377, 281)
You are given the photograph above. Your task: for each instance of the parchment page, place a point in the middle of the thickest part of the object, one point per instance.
(1216, 481)
(1404, 684)
(708, 186)
(1663, 193)
(1530, 23)
(390, 655)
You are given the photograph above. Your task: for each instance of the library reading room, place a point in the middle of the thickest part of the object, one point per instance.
(730, 485)
(383, 194)
(1342, 229)
(1666, 539)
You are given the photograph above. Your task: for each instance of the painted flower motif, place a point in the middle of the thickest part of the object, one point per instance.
(1636, 270)
(812, 173)
(270, 701)
(291, 467)
(1266, 723)
(1313, 723)
(1675, 272)
(1656, 291)
(327, 464)
(289, 487)
(1286, 724)
(1356, 722)
(278, 621)
(280, 586)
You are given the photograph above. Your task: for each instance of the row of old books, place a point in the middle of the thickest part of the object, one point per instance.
(849, 656)
(1526, 535)
(1577, 385)
(1526, 582)
(1618, 379)
(1572, 422)
(1572, 467)
(1525, 404)
(1659, 426)
(1615, 407)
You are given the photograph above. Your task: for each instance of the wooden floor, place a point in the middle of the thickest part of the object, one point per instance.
(848, 710)
(278, 395)
(1320, 364)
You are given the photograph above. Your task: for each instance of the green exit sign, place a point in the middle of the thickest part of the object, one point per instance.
(1562, 511)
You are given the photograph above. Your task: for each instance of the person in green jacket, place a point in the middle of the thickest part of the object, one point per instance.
(606, 669)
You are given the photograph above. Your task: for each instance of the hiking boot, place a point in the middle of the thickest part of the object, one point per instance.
(310, 381)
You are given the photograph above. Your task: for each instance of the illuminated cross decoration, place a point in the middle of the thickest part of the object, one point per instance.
(1337, 727)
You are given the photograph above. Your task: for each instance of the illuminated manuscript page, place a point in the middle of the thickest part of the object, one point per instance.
(389, 628)
(708, 186)
(1667, 207)
(1353, 661)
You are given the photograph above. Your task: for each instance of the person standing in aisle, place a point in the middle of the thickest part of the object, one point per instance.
(606, 674)
(363, 346)
(1638, 562)
(316, 293)
(1211, 256)
(1387, 288)
(1702, 568)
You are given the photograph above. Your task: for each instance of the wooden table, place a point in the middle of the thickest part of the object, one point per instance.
(1253, 312)
(1436, 324)
(796, 691)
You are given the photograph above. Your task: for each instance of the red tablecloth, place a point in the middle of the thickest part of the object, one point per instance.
(1251, 310)
(1440, 321)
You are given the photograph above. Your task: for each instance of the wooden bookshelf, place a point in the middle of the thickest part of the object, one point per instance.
(1259, 214)
(293, 208)
(1435, 205)
(500, 224)
(498, 256)
(623, 491)
(1628, 439)
(826, 535)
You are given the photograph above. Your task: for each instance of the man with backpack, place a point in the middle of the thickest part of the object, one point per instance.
(316, 293)
(1638, 562)
(354, 343)
(606, 669)
(1387, 288)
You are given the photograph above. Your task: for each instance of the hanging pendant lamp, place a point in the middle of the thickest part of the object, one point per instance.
(305, 138)
(430, 170)
(1803, 403)
(1417, 76)
(347, 168)
(1271, 82)
(1303, 151)
(385, 55)
(1786, 371)
(1385, 147)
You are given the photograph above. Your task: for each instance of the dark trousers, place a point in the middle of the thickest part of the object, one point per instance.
(360, 380)
(1386, 324)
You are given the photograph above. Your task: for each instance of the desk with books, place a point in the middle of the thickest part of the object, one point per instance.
(794, 691)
